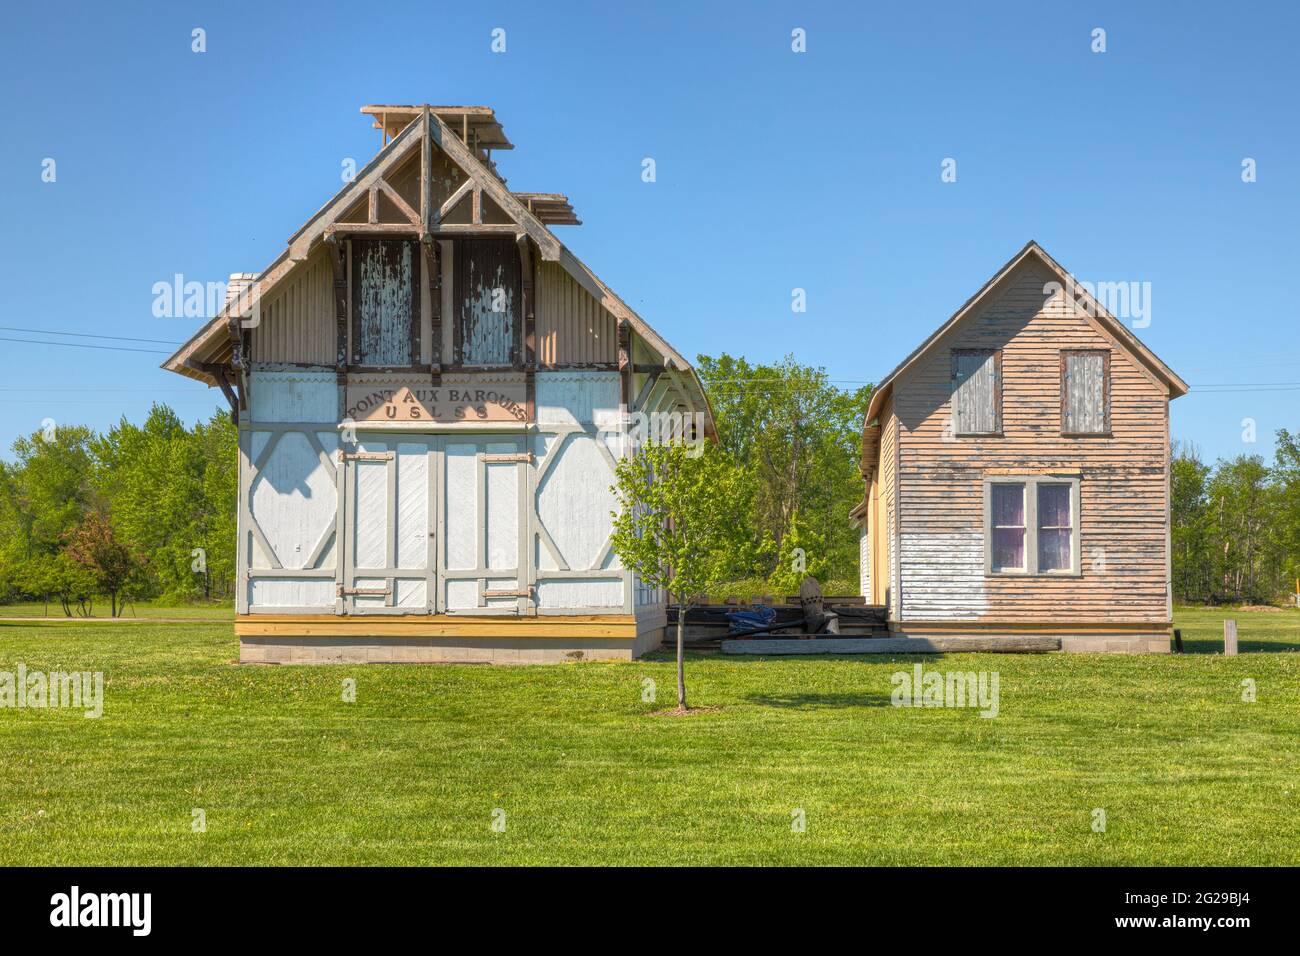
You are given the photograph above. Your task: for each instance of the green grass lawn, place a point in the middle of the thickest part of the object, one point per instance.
(288, 773)
(102, 611)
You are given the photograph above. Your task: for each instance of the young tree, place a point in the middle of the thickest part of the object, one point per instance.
(94, 547)
(679, 524)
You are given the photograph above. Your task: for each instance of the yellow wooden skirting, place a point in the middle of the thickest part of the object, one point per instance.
(618, 626)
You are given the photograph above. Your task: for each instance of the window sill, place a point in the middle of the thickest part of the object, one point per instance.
(1105, 434)
(1012, 573)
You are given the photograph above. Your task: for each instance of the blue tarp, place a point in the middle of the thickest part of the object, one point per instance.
(756, 616)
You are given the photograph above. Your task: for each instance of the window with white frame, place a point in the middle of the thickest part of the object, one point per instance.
(1031, 525)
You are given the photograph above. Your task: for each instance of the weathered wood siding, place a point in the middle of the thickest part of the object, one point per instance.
(296, 323)
(889, 505)
(487, 300)
(864, 564)
(385, 303)
(572, 327)
(1123, 478)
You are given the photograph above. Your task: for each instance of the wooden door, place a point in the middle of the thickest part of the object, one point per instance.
(483, 525)
(389, 492)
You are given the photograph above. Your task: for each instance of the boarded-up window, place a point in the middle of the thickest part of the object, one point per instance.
(385, 306)
(976, 392)
(487, 301)
(1085, 393)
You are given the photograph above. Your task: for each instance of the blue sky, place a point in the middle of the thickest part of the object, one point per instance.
(775, 171)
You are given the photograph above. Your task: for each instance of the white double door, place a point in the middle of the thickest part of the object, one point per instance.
(436, 524)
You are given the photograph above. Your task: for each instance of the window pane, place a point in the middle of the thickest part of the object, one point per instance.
(1008, 548)
(1008, 505)
(1054, 550)
(1054, 506)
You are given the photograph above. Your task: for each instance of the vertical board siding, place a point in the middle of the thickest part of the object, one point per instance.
(572, 327)
(1122, 477)
(488, 300)
(461, 503)
(412, 525)
(384, 302)
(297, 318)
(502, 510)
(370, 517)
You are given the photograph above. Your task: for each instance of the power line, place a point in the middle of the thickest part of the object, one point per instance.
(80, 345)
(87, 335)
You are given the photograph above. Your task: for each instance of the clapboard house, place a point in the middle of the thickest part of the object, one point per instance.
(431, 392)
(1017, 473)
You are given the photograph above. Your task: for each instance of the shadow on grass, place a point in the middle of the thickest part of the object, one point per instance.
(1244, 646)
(819, 701)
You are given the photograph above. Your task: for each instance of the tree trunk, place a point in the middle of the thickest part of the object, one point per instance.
(681, 659)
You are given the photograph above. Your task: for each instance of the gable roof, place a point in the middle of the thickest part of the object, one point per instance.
(211, 345)
(1106, 323)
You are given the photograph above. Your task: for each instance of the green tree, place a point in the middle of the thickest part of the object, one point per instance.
(111, 564)
(798, 439)
(677, 524)
(172, 495)
(1190, 525)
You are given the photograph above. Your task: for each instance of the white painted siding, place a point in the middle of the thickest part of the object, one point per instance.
(293, 395)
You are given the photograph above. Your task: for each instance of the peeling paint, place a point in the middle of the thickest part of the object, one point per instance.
(384, 308)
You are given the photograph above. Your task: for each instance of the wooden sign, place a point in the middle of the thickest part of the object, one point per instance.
(439, 404)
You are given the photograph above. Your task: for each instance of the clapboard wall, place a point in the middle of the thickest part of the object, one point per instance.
(1123, 476)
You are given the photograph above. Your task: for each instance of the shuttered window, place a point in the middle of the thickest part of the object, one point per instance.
(385, 305)
(976, 392)
(1085, 393)
(487, 301)
(1031, 525)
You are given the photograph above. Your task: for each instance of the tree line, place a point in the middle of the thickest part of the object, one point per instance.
(147, 512)
(142, 512)
(1235, 525)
